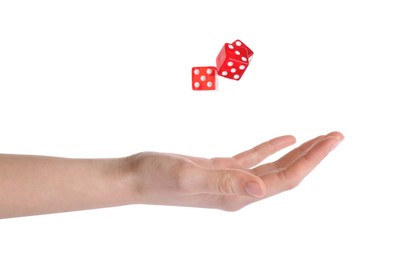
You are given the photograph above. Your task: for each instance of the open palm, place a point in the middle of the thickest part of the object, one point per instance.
(226, 183)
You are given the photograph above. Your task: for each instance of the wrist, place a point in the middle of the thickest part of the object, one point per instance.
(126, 180)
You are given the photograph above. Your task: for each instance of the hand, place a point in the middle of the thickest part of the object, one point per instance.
(31, 185)
(225, 183)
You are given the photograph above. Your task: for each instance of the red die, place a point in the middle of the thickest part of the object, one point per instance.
(203, 78)
(232, 60)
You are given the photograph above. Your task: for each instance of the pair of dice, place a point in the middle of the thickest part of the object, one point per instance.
(232, 61)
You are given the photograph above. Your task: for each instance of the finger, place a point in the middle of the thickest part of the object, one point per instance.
(223, 182)
(294, 154)
(291, 176)
(257, 154)
(286, 159)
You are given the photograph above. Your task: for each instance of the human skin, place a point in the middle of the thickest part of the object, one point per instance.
(33, 185)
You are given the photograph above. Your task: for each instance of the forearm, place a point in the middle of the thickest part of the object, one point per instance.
(31, 185)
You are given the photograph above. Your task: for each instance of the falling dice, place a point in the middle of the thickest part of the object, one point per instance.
(233, 60)
(203, 78)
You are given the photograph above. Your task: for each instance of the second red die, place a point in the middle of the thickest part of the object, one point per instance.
(231, 63)
(233, 60)
(203, 78)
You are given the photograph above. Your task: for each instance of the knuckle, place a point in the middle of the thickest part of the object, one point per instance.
(225, 185)
(271, 145)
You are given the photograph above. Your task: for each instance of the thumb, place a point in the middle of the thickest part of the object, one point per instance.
(230, 182)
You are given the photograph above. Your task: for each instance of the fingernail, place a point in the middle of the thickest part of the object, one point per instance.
(254, 189)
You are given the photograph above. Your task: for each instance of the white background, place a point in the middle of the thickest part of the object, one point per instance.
(112, 78)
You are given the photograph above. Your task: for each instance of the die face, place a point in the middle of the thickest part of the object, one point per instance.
(232, 69)
(239, 43)
(203, 78)
(232, 61)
